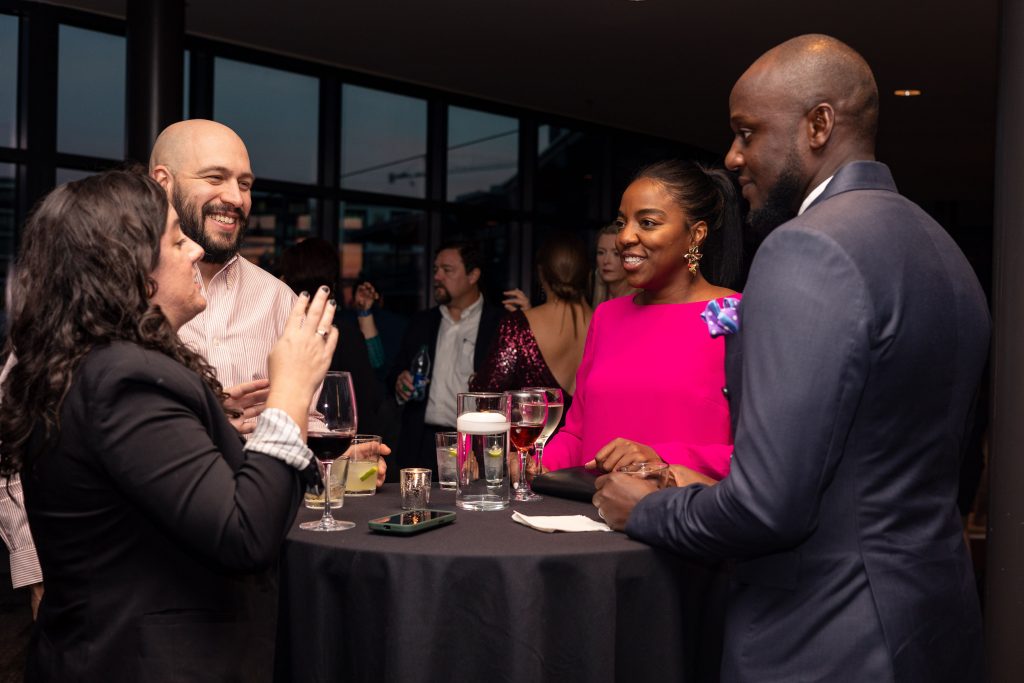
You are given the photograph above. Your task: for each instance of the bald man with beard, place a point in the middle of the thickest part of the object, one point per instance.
(862, 336)
(204, 167)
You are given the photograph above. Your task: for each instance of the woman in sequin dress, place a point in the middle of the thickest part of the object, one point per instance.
(649, 387)
(543, 346)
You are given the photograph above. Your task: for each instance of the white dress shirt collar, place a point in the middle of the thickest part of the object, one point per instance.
(815, 193)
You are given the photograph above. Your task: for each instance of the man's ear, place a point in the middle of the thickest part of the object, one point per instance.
(821, 119)
(163, 175)
(474, 276)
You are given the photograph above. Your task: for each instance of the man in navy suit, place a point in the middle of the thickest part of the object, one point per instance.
(862, 336)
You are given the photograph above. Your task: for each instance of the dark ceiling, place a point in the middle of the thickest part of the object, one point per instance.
(663, 67)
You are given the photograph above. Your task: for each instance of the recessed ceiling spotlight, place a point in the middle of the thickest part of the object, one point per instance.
(906, 92)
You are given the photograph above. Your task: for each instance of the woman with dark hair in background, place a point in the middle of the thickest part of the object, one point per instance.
(609, 279)
(649, 387)
(543, 346)
(148, 512)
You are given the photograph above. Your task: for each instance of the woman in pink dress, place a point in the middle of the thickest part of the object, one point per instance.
(649, 387)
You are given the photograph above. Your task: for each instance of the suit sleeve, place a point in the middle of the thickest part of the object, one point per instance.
(565, 449)
(410, 344)
(162, 458)
(805, 321)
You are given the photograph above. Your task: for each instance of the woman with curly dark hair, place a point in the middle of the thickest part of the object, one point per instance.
(147, 510)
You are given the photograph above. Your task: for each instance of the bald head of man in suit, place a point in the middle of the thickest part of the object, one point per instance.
(801, 111)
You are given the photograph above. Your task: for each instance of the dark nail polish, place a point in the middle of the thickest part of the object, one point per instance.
(332, 302)
(325, 289)
(304, 294)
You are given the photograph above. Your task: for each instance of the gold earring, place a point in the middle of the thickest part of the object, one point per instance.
(693, 257)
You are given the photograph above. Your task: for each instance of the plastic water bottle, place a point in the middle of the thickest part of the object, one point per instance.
(420, 370)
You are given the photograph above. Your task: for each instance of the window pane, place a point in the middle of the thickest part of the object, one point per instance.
(275, 112)
(66, 175)
(385, 245)
(276, 222)
(90, 93)
(8, 80)
(383, 142)
(7, 224)
(483, 158)
(569, 170)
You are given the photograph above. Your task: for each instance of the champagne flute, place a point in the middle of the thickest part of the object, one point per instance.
(329, 437)
(556, 406)
(529, 416)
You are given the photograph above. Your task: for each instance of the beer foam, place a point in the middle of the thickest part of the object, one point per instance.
(482, 423)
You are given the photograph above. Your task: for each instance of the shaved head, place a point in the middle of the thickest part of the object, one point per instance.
(204, 167)
(812, 69)
(800, 112)
(180, 141)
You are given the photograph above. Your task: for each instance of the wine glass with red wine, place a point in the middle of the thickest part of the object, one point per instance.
(329, 436)
(529, 416)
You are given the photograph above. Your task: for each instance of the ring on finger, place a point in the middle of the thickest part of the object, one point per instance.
(600, 513)
(322, 332)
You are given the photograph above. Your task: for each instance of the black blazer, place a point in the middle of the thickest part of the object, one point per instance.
(147, 516)
(422, 330)
(863, 334)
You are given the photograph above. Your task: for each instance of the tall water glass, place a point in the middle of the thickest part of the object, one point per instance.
(482, 461)
(556, 406)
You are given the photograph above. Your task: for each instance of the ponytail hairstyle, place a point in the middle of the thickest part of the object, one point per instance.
(709, 195)
(563, 266)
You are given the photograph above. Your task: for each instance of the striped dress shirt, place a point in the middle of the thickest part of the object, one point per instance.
(246, 312)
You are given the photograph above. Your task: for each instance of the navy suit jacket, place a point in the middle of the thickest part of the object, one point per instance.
(863, 334)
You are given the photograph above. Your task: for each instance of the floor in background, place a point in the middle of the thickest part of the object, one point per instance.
(15, 625)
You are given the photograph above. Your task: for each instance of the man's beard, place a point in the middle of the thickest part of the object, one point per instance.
(442, 295)
(193, 220)
(780, 205)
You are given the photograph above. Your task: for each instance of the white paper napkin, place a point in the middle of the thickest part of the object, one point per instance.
(560, 523)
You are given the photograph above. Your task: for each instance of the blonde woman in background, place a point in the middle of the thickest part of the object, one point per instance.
(609, 279)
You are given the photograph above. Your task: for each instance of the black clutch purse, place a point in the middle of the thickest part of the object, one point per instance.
(576, 483)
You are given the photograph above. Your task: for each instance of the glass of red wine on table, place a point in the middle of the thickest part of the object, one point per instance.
(529, 417)
(328, 436)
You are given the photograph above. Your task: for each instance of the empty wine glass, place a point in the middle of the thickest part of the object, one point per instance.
(556, 405)
(328, 436)
(529, 416)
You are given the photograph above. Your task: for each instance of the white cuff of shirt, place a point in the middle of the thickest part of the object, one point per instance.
(278, 436)
(25, 569)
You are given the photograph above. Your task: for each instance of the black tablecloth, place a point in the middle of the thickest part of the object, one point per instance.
(486, 599)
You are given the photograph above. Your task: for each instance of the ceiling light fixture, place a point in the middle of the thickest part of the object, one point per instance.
(906, 92)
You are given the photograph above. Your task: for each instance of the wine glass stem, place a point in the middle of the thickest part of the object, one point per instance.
(539, 450)
(327, 519)
(522, 470)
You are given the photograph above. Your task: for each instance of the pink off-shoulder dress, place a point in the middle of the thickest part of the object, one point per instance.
(651, 374)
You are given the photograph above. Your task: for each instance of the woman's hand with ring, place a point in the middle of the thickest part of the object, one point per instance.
(301, 356)
(621, 452)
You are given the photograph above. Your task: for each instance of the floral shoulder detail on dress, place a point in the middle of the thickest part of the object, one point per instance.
(722, 316)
